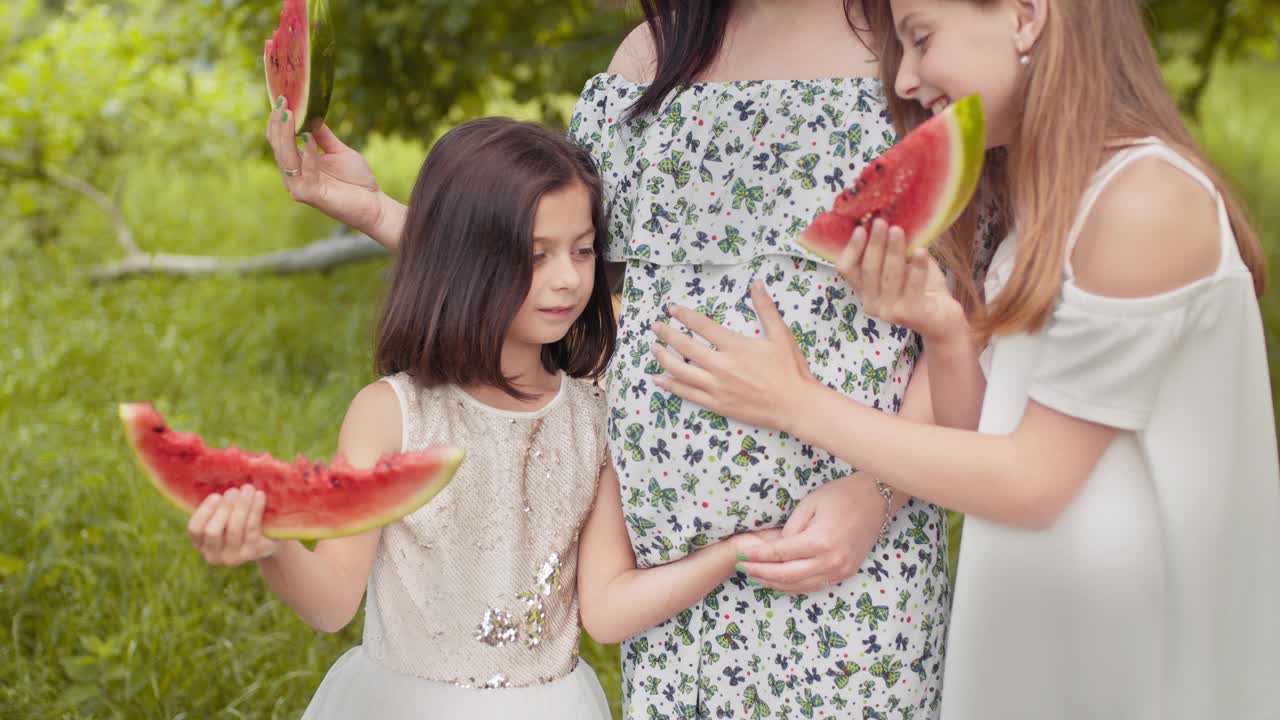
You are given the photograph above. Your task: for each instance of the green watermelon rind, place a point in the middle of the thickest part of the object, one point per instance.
(966, 129)
(322, 60)
(451, 459)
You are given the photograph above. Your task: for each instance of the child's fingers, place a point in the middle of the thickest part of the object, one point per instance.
(784, 574)
(214, 539)
(200, 518)
(895, 259)
(917, 273)
(873, 262)
(253, 529)
(849, 264)
(237, 519)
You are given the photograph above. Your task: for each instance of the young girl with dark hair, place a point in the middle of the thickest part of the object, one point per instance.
(497, 322)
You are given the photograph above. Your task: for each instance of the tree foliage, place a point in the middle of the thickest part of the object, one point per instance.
(1193, 35)
(403, 66)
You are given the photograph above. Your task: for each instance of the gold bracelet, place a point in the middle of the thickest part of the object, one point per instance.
(886, 492)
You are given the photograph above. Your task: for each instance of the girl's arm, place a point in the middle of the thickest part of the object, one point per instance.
(324, 586)
(618, 600)
(1023, 479)
(957, 383)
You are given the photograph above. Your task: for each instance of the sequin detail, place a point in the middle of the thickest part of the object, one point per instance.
(548, 580)
(497, 628)
(498, 681)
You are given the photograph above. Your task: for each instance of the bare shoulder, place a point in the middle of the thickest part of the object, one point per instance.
(1153, 229)
(636, 59)
(372, 426)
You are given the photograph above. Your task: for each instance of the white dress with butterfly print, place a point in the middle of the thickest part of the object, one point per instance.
(1154, 596)
(703, 197)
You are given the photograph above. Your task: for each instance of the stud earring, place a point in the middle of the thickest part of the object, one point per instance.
(1023, 56)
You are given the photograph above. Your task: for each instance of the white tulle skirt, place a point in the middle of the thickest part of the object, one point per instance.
(358, 687)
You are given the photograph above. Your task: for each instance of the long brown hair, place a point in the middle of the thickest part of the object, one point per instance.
(1093, 78)
(466, 258)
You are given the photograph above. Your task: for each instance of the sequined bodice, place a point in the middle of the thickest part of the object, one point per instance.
(478, 587)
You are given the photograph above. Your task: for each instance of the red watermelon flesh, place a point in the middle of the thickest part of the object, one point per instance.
(304, 500)
(299, 61)
(921, 184)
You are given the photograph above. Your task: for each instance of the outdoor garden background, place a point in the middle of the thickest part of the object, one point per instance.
(136, 126)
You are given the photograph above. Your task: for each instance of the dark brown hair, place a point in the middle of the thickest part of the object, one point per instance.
(687, 36)
(466, 258)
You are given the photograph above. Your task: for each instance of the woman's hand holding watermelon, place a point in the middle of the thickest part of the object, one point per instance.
(227, 529)
(903, 290)
(326, 174)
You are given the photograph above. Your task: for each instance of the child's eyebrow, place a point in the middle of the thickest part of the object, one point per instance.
(579, 236)
(905, 22)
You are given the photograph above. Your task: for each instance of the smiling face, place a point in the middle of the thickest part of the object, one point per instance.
(955, 48)
(564, 268)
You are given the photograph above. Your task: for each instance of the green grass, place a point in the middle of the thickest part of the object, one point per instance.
(105, 611)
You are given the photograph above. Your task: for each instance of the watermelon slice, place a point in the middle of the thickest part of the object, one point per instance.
(921, 184)
(305, 500)
(299, 60)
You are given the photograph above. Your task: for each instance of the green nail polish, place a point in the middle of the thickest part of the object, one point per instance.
(739, 569)
(306, 137)
(284, 116)
(753, 582)
(742, 557)
(279, 102)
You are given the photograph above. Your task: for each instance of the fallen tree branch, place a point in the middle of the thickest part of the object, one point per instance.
(332, 251)
(340, 247)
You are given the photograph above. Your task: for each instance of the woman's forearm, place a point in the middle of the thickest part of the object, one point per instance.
(389, 223)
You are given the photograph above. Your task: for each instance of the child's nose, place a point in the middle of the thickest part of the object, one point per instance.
(907, 84)
(566, 276)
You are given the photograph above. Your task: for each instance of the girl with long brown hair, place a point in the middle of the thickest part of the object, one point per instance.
(1122, 488)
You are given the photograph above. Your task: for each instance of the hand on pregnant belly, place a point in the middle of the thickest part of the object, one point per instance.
(824, 542)
(751, 380)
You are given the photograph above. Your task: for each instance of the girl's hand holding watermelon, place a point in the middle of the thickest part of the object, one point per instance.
(903, 290)
(227, 529)
(910, 291)
(326, 174)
